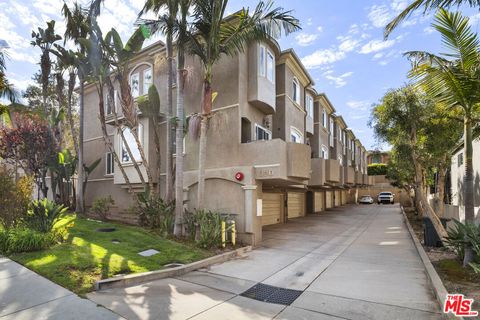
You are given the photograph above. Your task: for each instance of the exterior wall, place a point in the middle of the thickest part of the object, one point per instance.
(457, 171)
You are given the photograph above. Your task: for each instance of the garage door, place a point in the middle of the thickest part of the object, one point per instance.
(272, 208)
(329, 199)
(319, 201)
(344, 197)
(296, 204)
(337, 198)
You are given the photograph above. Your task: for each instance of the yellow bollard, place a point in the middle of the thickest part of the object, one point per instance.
(223, 234)
(233, 232)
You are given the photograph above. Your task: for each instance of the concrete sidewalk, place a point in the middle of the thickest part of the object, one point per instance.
(25, 295)
(355, 262)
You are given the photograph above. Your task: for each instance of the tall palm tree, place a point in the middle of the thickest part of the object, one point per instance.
(6, 88)
(453, 78)
(166, 23)
(428, 5)
(213, 35)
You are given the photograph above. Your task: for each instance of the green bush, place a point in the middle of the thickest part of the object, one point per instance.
(14, 199)
(461, 234)
(101, 207)
(377, 169)
(17, 240)
(209, 226)
(43, 214)
(156, 213)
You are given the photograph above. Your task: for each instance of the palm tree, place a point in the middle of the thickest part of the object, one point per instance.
(453, 79)
(6, 88)
(213, 35)
(166, 24)
(428, 5)
(44, 39)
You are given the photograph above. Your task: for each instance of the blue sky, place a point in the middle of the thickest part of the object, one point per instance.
(341, 44)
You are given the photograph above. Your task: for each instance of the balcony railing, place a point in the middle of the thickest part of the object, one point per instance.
(332, 171)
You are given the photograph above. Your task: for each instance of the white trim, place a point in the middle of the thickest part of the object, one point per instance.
(324, 148)
(262, 61)
(106, 164)
(308, 106)
(296, 91)
(268, 52)
(298, 133)
(101, 179)
(264, 129)
(266, 165)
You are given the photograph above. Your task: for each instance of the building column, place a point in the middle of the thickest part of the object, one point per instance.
(250, 207)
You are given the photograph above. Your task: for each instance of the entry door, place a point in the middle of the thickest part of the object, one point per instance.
(272, 208)
(329, 199)
(319, 201)
(296, 204)
(337, 198)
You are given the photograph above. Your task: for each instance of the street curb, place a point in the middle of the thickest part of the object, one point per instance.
(438, 287)
(139, 278)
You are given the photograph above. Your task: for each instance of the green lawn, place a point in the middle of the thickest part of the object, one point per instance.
(88, 255)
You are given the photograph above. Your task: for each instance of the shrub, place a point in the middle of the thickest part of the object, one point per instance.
(101, 207)
(156, 213)
(377, 169)
(209, 226)
(461, 234)
(24, 240)
(14, 199)
(43, 214)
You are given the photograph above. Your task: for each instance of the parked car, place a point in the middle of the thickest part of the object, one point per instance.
(366, 200)
(386, 197)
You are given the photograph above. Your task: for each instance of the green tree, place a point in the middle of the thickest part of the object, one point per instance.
(213, 36)
(453, 79)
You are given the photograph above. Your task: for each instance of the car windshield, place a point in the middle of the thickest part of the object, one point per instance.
(366, 197)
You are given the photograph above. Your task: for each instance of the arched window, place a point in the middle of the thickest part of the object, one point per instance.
(141, 78)
(324, 152)
(296, 135)
(296, 90)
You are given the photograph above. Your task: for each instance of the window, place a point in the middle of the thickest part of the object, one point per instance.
(261, 62)
(296, 135)
(309, 105)
(261, 133)
(324, 118)
(266, 64)
(270, 66)
(109, 164)
(340, 159)
(147, 80)
(109, 109)
(324, 152)
(132, 144)
(460, 159)
(135, 84)
(296, 90)
(332, 131)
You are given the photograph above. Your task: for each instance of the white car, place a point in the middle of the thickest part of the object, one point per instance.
(386, 197)
(366, 200)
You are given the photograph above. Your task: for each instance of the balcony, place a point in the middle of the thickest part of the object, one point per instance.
(318, 172)
(358, 178)
(349, 175)
(365, 179)
(277, 160)
(332, 171)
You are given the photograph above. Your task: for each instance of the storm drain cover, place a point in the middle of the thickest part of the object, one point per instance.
(271, 294)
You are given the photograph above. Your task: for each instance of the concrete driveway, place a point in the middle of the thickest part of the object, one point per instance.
(354, 262)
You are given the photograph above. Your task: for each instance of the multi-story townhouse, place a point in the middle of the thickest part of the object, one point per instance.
(275, 150)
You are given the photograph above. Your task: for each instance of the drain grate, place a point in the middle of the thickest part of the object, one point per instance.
(271, 294)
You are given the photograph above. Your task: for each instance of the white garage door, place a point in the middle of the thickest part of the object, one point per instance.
(272, 208)
(319, 201)
(296, 204)
(329, 199)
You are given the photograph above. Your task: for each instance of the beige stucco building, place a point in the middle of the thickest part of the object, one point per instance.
(296, 155)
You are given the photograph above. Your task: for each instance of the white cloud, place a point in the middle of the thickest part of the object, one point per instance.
(428, 30)
(322, 57)
(305, 39)
(361, 105)
(474, 19)
(348, 45)
(320, 29)
(379, 15)
(338, 81)
(376, 45)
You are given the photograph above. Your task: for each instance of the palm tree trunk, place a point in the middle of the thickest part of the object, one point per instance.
(181, 75)
(169, 148)
(442, 172)
(71, 87)
(80, 206)
(202, 151)
(468, 186)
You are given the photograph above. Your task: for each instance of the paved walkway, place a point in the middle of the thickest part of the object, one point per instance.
(24, 295)
(355, 262)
